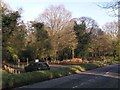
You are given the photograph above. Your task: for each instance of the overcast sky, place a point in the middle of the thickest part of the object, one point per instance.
(78, 8)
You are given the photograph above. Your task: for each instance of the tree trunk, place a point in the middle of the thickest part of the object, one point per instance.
(73, 53)
(55, 55)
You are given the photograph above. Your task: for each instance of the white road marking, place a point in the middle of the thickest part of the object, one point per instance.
(75, 87)
(107, 72)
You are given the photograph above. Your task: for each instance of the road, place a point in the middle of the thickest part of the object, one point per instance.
(105, 77)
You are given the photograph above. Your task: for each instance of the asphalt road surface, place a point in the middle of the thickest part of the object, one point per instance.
(105, 77)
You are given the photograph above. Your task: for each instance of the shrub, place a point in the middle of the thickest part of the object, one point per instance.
(79, 68)
(13, 53)
(72, 61)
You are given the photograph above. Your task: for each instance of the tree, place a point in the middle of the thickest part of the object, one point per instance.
(42, 43)
(114, 7)
(13, 33)
(111, 29)
(83, 29)
(100, 44)
(68, 40)
(90, 23)
(57, 20)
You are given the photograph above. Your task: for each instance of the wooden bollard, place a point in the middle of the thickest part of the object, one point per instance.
(8, 69)
(12, 70)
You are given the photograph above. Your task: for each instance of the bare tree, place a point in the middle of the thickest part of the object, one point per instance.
(56, 17)
(59, 26)
(89, 22)
(112, 7)
(111, 28)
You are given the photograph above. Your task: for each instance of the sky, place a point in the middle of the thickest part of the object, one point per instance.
(78, 8)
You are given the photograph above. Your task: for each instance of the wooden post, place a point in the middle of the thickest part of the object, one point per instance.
(27, 61)
(18, 62)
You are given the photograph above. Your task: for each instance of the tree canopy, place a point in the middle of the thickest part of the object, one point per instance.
(56, 35)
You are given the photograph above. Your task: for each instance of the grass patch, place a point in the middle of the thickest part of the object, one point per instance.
(89, 66)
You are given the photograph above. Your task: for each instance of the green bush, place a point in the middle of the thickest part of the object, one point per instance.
(13, 53)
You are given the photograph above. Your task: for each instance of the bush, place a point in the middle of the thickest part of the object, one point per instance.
(72, 61)
(13, 53)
